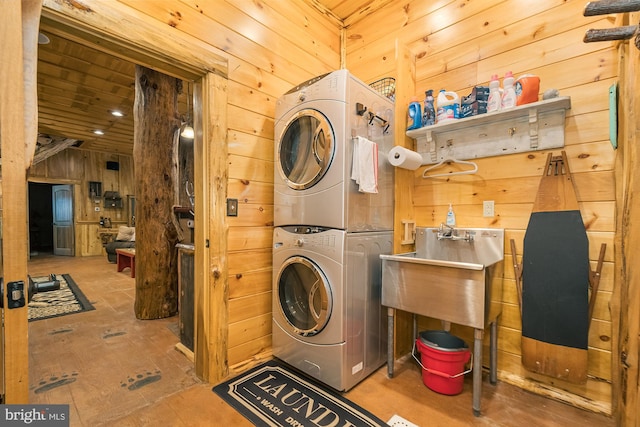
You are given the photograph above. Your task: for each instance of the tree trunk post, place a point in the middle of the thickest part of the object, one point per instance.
(156, 122)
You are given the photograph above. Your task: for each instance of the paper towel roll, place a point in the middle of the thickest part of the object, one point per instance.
(401, 157)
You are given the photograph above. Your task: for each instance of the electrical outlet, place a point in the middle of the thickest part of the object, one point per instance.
(488, 209)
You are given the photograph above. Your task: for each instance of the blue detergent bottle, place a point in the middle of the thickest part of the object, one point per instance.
(429, 112)
(414, 114)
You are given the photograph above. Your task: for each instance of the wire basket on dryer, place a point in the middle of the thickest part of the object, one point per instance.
(386, 87)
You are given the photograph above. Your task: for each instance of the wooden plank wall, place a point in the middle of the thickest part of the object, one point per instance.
(271, 47)
(458, 44)
(78, 167)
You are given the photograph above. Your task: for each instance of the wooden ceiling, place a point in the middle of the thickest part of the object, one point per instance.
(79, 87)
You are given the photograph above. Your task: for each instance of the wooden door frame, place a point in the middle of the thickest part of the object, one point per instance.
(625, 313)
(14, 125)
(121, 31)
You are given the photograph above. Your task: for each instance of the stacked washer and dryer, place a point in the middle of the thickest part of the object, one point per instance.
(328, 321)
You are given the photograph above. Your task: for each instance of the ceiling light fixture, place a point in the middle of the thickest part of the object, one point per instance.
(187, 132)
(186, 129)
(117, 113)
(98, 132)
(43, 39)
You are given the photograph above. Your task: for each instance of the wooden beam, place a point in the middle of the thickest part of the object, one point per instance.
(212, 231)
(52, 149)
(125, 33)
(403, 179)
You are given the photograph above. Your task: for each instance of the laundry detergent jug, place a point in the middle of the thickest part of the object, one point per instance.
(414, 114)
(527, 88)
(448, 106)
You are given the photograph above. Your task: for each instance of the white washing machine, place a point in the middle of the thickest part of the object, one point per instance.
(314, 129)
(328, 320)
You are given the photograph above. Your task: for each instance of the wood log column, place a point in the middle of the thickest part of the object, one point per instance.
(156, 121)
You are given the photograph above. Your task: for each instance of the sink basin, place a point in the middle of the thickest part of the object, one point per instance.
(449, 277)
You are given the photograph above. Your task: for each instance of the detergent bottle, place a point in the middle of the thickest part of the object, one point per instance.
(414, 116)
(495, 97)
(527, 88)
(509, 91)
(429, 112)
(448, 106)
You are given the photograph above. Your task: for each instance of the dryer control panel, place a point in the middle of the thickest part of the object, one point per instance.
(317, 239)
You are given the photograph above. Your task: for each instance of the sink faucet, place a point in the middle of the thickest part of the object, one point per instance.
(447, 232)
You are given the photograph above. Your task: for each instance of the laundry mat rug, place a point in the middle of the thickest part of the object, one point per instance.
(272, 394)
(68, 299)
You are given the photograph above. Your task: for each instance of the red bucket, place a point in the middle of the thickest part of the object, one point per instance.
(443, 359)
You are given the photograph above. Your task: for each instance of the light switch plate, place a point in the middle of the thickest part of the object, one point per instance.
(232, 207)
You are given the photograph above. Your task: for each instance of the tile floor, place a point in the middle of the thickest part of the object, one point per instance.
(115, 370)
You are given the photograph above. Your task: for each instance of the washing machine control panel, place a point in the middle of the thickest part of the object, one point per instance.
(307, 83)
(305, 229)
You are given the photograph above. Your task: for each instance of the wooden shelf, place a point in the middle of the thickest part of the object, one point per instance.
(530, 127)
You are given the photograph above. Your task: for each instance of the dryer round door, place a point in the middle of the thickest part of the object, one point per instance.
(304, 296)
(306, 149)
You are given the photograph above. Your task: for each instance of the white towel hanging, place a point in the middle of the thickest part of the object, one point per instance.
(450, 160)
(365, 165)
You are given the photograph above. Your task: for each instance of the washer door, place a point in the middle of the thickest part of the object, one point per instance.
(306, 149)
(304, 296)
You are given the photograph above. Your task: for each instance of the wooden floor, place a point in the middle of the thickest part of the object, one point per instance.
(115, 370)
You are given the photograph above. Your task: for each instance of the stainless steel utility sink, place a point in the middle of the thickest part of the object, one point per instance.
(448, 277)
(451, 276)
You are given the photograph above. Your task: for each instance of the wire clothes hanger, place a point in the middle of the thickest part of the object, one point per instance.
(449, 160)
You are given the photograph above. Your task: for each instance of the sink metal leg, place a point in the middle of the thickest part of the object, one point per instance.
(414, 318)
(390, 334)
(493, 354)
(477, 370)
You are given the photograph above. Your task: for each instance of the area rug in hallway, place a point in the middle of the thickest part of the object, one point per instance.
(272, 394)
(68, 299)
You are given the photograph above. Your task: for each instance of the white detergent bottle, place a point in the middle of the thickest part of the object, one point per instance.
(451, 217)
(448, 106)
(494, 103)
(509, 94)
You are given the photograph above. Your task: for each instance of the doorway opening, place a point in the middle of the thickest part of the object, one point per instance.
(182, 56)
(40, 219)
(51, 228)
